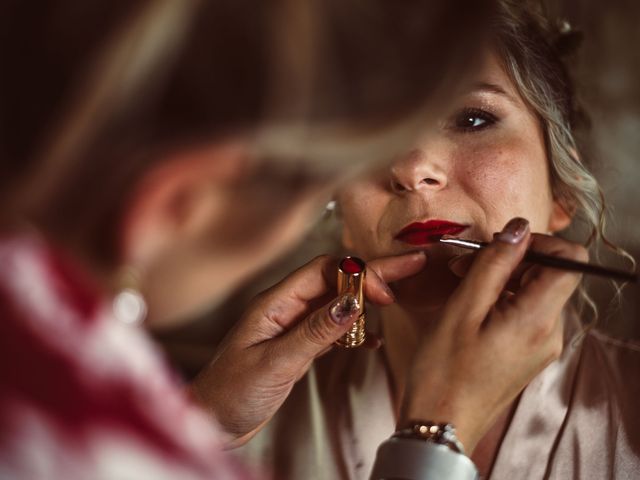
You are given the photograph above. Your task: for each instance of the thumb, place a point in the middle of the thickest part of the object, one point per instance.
(319, 331)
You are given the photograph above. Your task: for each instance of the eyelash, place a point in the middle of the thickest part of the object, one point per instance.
(472, 114)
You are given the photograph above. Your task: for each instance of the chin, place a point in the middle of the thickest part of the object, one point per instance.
(429, 290)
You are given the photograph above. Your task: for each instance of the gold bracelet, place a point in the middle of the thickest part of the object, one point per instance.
(441, 433)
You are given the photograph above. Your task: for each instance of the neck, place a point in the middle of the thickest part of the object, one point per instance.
(402, 330)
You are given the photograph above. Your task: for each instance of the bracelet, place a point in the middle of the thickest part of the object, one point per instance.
(407, 459)
(440, 433)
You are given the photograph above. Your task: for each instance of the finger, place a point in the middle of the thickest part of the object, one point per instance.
(555, 247)
(305, 284)
(547, 289)
(310, 281)
(397, 267)
(389, 269)
(460, 264)
(317, 332)
(288, 300)
(552, 246)
(276, 309)
(487, 277)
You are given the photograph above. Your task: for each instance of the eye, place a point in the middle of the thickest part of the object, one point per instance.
(473, 120)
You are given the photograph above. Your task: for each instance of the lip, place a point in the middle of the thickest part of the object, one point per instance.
(424, 233)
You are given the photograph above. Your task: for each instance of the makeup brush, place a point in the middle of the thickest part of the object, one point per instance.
(550, 261)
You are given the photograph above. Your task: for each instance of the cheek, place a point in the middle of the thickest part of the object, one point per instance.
(361, 207)
(508, 181)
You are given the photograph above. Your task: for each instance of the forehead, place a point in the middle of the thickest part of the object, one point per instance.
(490, 77)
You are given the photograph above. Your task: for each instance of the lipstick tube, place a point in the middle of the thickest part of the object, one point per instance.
(351, 278)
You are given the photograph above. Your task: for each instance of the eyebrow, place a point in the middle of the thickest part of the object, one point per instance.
(492, 88)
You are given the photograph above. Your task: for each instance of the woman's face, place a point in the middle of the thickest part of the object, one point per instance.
(480, 164)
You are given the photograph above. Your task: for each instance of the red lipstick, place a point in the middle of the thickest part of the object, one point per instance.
(419, 233)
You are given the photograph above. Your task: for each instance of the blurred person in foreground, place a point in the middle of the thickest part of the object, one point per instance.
(154, 155)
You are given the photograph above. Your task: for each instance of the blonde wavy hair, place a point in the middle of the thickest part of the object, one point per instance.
(534, 52)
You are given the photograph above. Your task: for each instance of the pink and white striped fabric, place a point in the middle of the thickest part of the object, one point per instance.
(82, 395)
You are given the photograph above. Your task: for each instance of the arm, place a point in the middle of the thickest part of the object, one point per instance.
(489, 346)
(283, 331)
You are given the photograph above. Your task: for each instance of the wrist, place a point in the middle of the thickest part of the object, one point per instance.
(445, 413)
(438, 433)
(412, 459)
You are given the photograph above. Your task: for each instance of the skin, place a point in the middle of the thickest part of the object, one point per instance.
(198, 225)
(185, 231)
(188, 240)
(480, 164)
(461, 351)
(280, 335)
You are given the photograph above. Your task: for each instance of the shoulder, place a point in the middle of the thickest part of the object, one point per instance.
(77, 384)
(609, 377)
(611, 367)
(613, 354)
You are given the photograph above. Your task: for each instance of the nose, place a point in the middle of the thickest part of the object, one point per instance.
(415, 172)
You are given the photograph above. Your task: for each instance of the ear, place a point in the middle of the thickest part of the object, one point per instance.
(561, 215)
(564, 209)
(176, 199)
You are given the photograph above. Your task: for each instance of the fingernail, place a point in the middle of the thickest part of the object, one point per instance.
(344, 309)
(514, 231)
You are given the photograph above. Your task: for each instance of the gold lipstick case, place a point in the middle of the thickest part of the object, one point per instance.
(351, 277)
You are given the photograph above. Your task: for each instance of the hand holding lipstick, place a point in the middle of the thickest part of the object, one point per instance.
(284, 330)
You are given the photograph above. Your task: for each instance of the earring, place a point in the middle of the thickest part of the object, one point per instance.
(329, 210)
(129, 305)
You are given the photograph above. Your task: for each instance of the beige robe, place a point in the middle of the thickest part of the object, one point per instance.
(578, 419)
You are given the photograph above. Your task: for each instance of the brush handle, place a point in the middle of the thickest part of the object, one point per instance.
(587, 268)
(553, 262)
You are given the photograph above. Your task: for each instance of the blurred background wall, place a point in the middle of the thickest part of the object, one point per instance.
(608, 72)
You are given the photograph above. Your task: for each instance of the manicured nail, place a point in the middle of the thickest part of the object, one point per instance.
(514, 231)
(345, 309)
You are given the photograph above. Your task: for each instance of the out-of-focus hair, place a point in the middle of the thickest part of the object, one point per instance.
(92, 90)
